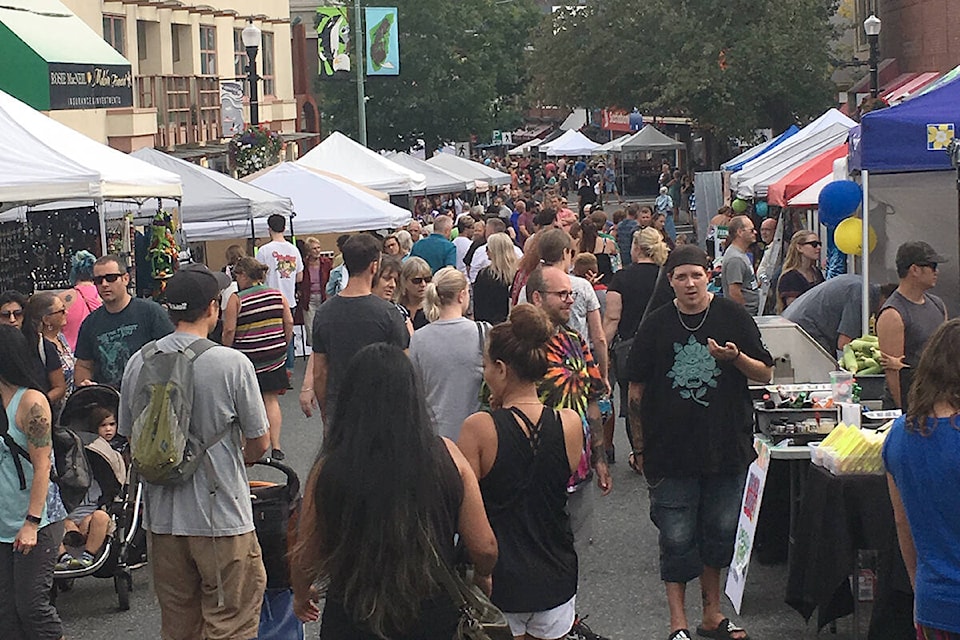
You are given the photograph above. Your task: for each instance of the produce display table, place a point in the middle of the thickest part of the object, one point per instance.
(838, 516)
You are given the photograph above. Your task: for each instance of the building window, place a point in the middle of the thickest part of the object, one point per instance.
(208, 50)
(239, 54)
(175, 42)
(113, 29)
(141, 40)
(269, 86)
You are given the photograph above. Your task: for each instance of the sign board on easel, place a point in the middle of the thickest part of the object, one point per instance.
(747, 524)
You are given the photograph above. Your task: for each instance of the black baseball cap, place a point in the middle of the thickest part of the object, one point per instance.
(917, 252)
(193, 287)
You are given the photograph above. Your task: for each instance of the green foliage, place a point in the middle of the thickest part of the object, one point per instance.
(731, 65)
(461, 72)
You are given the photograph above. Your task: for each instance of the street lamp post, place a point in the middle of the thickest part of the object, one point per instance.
(251, 37)
(872, 27)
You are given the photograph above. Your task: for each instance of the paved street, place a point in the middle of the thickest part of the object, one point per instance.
(620, 587)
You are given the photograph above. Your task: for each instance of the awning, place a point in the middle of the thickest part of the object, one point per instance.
(782, 191)
(53, 60)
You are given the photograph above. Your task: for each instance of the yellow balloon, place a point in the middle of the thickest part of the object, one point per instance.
(849, 237)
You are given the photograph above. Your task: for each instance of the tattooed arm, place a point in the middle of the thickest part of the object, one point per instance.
(33, 418)
(635, 401)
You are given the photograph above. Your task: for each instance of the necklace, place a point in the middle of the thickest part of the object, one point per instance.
(684, 324)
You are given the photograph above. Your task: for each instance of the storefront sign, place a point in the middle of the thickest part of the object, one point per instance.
(90, 86)
(615, 120)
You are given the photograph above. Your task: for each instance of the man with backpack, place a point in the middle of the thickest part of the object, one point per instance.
(194, 416)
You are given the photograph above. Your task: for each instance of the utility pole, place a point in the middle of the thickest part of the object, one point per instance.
(361, 97)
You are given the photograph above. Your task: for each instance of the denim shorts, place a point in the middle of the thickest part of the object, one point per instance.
(697, 519)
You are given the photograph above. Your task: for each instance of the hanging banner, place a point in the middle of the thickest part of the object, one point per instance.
(383, 43)
(231, 108)
(333, 42)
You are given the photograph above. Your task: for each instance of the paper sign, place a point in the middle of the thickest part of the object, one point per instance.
(747, 524)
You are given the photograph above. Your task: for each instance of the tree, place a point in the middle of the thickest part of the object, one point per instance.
(461, 70)
(732, 65)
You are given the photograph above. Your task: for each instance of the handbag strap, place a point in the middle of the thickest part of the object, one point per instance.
(448, 580)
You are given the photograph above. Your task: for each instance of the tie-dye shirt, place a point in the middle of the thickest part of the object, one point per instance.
(572, 381)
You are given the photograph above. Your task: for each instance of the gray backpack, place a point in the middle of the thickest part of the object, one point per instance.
(164, 450)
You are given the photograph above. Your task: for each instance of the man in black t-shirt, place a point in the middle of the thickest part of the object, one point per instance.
(346, 323)
(691, 424)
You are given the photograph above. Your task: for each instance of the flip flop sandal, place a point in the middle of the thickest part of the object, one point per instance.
(680, 634)
(724, 631)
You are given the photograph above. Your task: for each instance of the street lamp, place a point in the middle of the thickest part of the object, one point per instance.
(872, 27)
(251, 41)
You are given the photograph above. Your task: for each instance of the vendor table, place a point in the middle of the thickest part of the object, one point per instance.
(838, 516)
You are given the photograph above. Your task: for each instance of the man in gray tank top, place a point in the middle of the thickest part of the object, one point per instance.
(909, 318)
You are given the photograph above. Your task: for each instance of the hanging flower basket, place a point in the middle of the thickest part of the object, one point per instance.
(253, 149)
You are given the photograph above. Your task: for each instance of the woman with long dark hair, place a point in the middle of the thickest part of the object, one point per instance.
(922, 458)
(43, 318)
(524, 454)
(603, 248)
(31, 515)
(384, 499)
(44, 358)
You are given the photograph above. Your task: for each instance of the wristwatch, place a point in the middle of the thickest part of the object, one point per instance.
(32, 519)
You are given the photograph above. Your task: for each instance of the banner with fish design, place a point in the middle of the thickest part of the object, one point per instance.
(333, 42)
(383, 43)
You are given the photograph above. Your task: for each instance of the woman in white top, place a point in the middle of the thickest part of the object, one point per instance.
(448, 353)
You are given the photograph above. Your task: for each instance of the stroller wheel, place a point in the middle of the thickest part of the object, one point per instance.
(123, 584)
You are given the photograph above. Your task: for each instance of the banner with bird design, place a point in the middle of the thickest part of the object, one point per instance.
(333, 42)
(383, 43)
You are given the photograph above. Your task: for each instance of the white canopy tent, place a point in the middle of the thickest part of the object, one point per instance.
(341, 155)
(829, 130)
(524, 148)
(571, 143)
(210, 195)
(45, 161)
(439, 180)
(650, 139)
(322, 205)
(469, 169)
(614, 146)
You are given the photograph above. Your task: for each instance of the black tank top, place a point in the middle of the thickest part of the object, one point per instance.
(438, 616)
(525, 493)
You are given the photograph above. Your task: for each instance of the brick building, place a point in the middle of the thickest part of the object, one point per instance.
(922, 35)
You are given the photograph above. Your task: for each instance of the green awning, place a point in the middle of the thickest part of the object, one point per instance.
(53, 60)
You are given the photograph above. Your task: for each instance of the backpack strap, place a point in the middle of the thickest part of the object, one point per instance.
(197, 348)
(14, 447)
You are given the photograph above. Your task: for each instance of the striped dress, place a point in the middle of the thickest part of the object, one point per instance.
(260, 328)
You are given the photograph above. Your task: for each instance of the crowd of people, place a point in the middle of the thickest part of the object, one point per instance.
(496, 338)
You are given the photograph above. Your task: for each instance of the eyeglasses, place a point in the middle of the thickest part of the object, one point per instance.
(58, 311)
(420, 280)
(109, 277)
(563, 295)
(13, 313)
(814, 243)
(932, 265)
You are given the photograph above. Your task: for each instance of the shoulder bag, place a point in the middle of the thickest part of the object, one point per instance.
(480, 619)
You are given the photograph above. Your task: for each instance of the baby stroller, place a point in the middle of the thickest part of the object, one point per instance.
(276, 510)
(124, 548)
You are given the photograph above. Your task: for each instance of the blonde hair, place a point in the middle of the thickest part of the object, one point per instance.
(414, 267)
(584, 262)
(311, 242)
(503, 259)
(405, 240)
(650, 243)
(442, 291)
(793, 260)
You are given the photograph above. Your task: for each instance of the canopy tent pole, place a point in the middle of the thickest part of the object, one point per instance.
(101, 216)
(865, 253)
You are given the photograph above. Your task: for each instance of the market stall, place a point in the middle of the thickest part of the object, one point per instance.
(642, 154)
(322, 205)
(571, 143)
(736, 164)
(439, 180)
(469, 169)
(342, 155)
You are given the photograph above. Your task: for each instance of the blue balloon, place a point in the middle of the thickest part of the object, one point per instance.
(838, 201)
(761, 208)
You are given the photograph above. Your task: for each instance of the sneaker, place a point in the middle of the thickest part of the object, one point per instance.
(83, 562)
(580, 631)
(63, 562)
(277, 455)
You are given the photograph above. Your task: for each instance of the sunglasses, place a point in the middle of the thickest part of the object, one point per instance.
(18, 313)
(420, 280)
(58, 311)
(815, 243)
(932, 265)
(109, 277)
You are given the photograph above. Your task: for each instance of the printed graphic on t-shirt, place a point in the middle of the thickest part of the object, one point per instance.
(114, 352)
(694, 371)
(286, 264)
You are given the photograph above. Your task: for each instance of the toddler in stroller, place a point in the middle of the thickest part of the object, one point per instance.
(89, 523)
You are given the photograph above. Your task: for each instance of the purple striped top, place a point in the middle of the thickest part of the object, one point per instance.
(260, 328)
